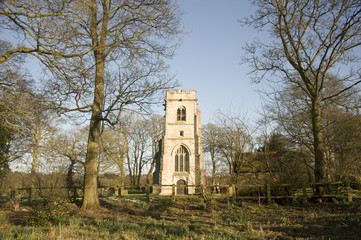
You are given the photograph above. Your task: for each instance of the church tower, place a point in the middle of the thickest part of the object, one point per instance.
(180, 157)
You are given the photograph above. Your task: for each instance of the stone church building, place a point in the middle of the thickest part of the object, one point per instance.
(180, 156)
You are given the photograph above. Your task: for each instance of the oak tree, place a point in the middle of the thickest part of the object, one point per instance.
(311, 40)
(211, 144)
(102, 56)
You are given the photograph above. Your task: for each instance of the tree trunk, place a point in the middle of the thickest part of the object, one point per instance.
(149, 175)
(91, 199)
(35, 161)
(139, 176)
(34, 164)
(123, 152)
(130, 170)
(154, 159)
(318, 144)
(121, 168)
(4, 165)
(70, 174)
(213, 167)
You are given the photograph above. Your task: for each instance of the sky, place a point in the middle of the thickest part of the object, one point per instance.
(209, 60)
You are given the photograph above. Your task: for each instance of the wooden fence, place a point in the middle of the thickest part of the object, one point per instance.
(262, 193)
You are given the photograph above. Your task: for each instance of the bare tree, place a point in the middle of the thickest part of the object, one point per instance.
(311, 40)
(211, 143)
(103, 55)
(155, 128)
(136, 141)
(71, 146)
(235, 140)
(15, 90)
(114, 145)
(290, 108)
(5, 138)
(25, 118)
(139, 150)
(39, 129)
(345, 135)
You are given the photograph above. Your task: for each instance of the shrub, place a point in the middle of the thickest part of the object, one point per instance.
(284, 220)
(202, 206)
(241, 218)
(53, 210)
(143, 204)
(172, 211)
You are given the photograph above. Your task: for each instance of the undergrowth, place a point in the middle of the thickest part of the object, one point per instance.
(185, 220)
(52, 210)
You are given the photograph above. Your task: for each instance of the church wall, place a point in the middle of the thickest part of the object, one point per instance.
(177, 133)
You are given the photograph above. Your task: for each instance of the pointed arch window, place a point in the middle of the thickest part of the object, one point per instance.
(181, 160)
(181, 114)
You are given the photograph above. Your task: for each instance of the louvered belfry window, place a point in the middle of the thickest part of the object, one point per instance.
(181, 114)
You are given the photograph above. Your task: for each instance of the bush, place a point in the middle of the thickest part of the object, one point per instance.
(53, 210)
(202, 206)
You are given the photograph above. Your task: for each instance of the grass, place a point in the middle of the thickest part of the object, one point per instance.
(186, 219)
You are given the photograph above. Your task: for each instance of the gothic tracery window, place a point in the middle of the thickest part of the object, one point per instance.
(182, 160)
(181, 114)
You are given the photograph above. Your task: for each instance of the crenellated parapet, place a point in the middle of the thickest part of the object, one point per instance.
(181, 95)
(182, 91)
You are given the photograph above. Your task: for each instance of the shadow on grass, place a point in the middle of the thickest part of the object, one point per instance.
(323, 228)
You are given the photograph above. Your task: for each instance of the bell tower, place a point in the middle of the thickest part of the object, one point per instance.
(180, 157)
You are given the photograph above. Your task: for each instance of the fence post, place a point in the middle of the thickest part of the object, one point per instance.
(304, 193)
(173, 192)
(234, 194)
(75, 193)
(30, 199)
(268, 190)
(148, 192)
(12, 195)
(120, 193)
(116, 190)
(226, 187)
(201, 196)
(349, 194)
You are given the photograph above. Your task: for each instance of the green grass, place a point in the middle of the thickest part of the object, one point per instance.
(185, 219)
(115, 229)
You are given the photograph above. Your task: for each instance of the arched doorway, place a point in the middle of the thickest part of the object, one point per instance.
(181, 190)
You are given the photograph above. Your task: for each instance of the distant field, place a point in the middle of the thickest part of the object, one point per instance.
(190, 219)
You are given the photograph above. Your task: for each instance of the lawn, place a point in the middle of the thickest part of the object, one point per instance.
(190, 219)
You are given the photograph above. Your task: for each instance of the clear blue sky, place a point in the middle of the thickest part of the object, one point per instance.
(209, 58)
